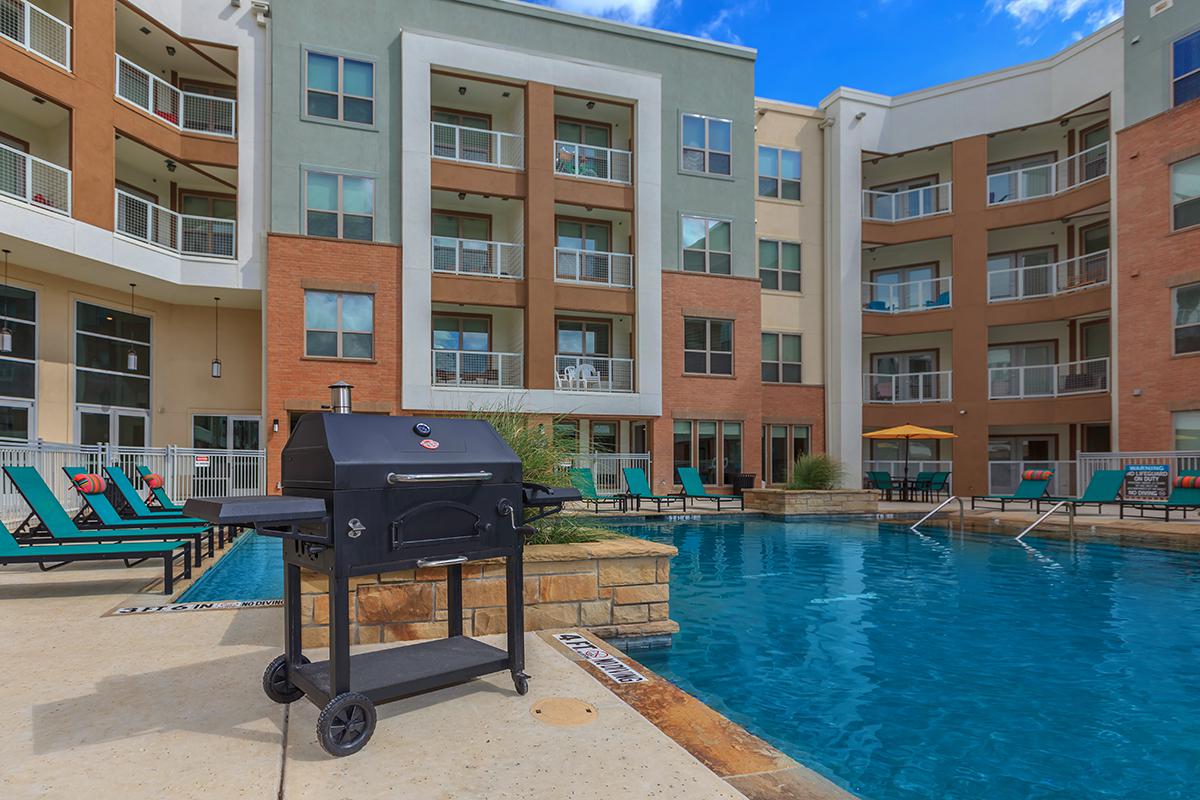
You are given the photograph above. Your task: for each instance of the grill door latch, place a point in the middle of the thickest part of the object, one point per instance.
(355, 528)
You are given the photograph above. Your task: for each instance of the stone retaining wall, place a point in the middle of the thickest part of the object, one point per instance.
(615, 588)
(812, 501)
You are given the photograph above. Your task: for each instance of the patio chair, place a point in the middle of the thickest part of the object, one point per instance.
(1033, 487)
(158, 493)
(588, 374)
(567, 378)
(52, 556)
(583, 480)
(639, 490)
(921, 484)
(693, 489)
(1104, 488)
(939, 484)
(131, 502)
(883, 482)
(941, 301)
(1185, 495)
(54, 521)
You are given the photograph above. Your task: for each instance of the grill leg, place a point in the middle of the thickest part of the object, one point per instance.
(339, 634)
(291, 615)
(516, 613)
(454, 599)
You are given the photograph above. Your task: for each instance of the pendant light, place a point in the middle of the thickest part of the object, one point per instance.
(216, 362)
(6, 334)
(131, 356)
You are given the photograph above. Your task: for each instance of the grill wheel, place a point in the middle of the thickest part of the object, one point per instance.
(346, 724)
(276, 684)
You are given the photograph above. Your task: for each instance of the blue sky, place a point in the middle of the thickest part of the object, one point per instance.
(806, 48)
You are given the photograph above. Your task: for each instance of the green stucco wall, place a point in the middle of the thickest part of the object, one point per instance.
(1148, 62)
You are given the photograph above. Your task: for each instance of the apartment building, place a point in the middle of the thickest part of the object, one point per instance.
(132, 137)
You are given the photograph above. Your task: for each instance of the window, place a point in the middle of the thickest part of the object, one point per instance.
(566, 434)
(781, 446)
(907, 288)
(339, 325)
(708, 346)
(1185, 193)
(584, 337)
(1187, 318)
(706, 245)
(580, 132)
(1185, 69)
(339, 206)
(707, 145)
(462, 333)
(714, 448)
(781, 358)
(604, 437)
(1187, 430)
(18, 385)
(104, 338)
(778, 173)
(581, 235)
(682, 452)
(731, 446)
(339, 88)
(213, 431)
(779, 265)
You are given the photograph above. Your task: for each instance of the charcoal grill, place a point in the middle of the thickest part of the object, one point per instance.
(364, 494)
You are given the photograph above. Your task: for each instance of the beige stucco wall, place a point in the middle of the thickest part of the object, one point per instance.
(181, 355)
(794, 127)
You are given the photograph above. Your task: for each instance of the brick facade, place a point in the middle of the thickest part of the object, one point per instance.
(1151, 260)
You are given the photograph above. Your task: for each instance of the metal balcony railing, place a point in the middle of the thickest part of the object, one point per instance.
(187, 111)
(1046, 280)
(593, 374)
(184, 234)
(1044, 180)
(593, 267)
(907, 387)
(34, 181)
(593, 163)
(924, 201)
(478, 257)
(477, 146)
(37, 31)
(894, 298)
(1048, 380)
(478, 369)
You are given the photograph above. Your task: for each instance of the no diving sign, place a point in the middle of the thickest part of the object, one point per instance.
(614, 668)
(1147, 482)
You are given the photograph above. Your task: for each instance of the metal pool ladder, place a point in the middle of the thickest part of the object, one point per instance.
(1070, 518)
(961, 514)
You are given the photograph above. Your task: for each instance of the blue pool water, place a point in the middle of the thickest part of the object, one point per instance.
(251, 570)
(940, 667)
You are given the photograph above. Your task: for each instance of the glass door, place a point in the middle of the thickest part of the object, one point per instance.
(1025, 369)
(124, 427)
(1094, 161)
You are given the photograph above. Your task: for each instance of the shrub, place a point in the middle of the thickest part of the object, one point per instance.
(816, 472)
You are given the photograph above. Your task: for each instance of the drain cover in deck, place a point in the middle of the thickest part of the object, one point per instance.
(564, 712)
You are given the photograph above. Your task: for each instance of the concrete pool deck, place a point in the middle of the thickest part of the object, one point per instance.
(170, 704)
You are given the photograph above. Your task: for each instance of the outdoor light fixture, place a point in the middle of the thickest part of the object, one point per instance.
(170, 50)
(131, 356)
(275, 425)
(6, 336)
(216, 362)
(591, 104)
(171, 165)
(462, 90)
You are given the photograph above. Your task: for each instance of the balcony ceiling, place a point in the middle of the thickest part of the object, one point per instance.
(18, 101)
(149, 51)
(137, 160)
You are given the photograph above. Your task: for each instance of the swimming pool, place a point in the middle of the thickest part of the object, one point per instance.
(251, 570)
(903, 666)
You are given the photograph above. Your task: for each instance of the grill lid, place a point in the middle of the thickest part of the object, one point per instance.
(360, 451)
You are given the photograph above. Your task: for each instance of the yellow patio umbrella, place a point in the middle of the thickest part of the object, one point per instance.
(908, 432)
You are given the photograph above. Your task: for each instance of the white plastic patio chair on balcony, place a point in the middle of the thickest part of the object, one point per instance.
(588, 375)
(567, 378)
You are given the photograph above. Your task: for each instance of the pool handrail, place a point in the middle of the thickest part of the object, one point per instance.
(962, 513)
(1070, 518)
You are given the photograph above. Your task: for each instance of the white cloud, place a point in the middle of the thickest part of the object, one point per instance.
(639, 11)
(720, 27)
(1036, 13)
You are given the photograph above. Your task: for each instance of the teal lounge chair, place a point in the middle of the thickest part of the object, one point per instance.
(1185, 496)
(1033, 487)
(160, 495)
(1103, 489)
(583, 480)
(133, 502)
(693, 489)
(54, 520)
(639, 490)
(52, 556)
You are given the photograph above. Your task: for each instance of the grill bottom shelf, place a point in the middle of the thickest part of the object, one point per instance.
(384, 675)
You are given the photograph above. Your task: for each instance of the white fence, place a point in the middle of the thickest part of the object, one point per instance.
(593, 267)
(34, 181)
(37, 31)
(907, 387)
(1044, 180)
(924, 201)
(1177, 461)
(1046, 280)
(188, 111)
(1048, 380)
(593, 374)
(606, 469)
(185, 234)
(894, 298)
(477, 146)
(595, 163)
(478, 369)
(478, 257)
(187, 472)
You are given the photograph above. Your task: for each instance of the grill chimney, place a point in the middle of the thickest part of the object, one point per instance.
(339, 401)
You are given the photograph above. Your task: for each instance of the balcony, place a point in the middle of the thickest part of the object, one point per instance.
(1046, 180)
(592, 374)
(478, 370)
(896, 298)
(36, 30)
(592, 268)
(185, 111)
(183, 234)
(909, 204)
(1049, 280)
(1049, 380)
(35, 182)
(909, 387)
(476, 257)
(593, 163)
(477, 146)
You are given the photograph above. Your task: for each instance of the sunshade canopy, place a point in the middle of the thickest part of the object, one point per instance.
(909, 432)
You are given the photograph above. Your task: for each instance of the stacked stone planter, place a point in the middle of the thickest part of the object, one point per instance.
(812, 501)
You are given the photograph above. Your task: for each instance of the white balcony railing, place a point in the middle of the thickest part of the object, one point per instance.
(1005, 476)
(478, 369)
(1045, 180)
(477, 146)
(1048, 380)
(184, 234)
(34, 181)
(925, 201)
(607, 469)
(907, 387)
(477, 257)
(894, 298)
(593, 374)
(593, 267)
(593, 163)
(37, 31)
(1046, 280)
(187, 111)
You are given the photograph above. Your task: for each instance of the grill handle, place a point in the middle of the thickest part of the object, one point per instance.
(441, 562)
(434, 477)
